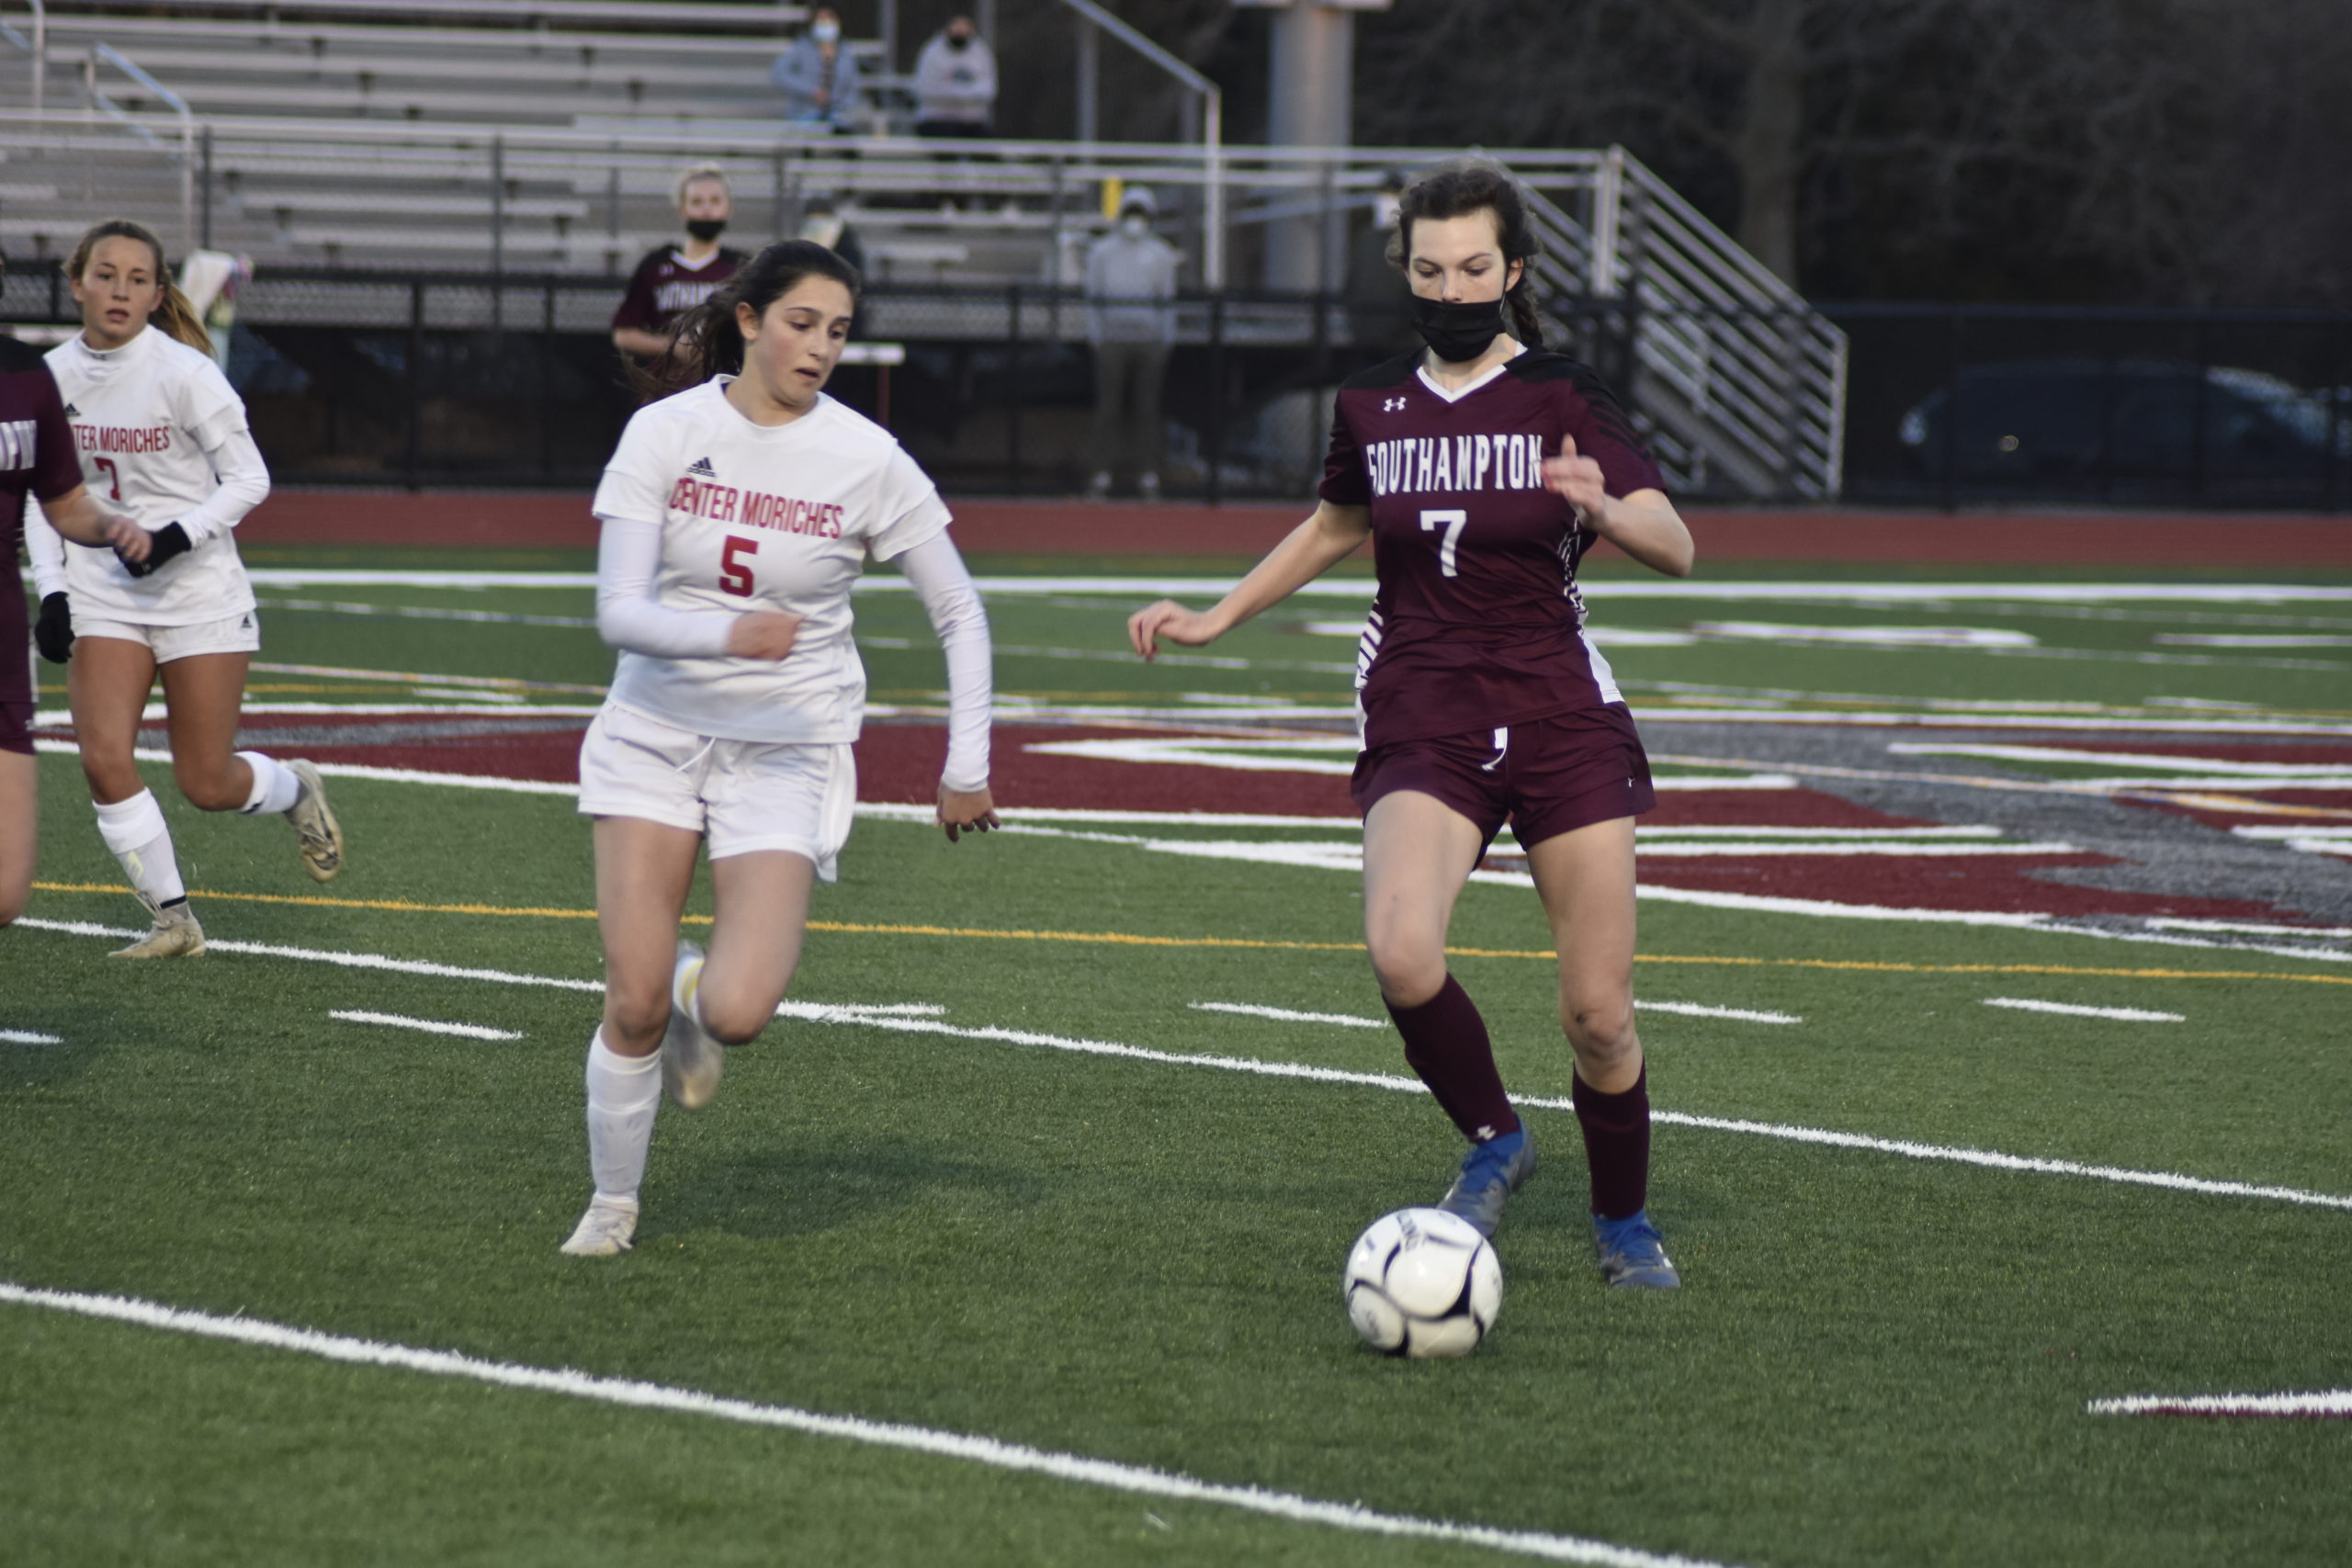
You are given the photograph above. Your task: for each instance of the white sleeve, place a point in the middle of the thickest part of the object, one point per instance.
(629, 557)
(956, 614)
(243, 480)
(46, 545)
(907, 508)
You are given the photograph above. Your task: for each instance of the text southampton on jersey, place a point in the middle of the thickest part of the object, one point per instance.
(1451, 464)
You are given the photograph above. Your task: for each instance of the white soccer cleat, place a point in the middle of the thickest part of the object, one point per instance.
(608, 1227)
(316, 832)
(176, 936)
(691, 1059)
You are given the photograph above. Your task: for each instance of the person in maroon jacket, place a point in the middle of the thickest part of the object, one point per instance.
(673, 279)
(1482, 470)
(36, 456)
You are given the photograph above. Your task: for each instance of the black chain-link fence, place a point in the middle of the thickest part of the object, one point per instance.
(430, 380)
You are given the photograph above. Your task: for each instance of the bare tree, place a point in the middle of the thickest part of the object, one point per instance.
(2005, 147)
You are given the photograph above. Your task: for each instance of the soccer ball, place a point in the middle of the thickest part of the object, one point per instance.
(1423, 1282)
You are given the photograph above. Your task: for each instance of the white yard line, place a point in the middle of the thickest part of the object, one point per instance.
(29, 1037)
(1286, 1015)
(885, 1017)
(2068, 1009)
(426, 1025)
(1699, 1009)
(2332, 1404)
(966, 1448)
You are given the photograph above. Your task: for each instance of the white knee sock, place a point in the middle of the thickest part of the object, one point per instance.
(623, 1094)
(274, 786)
(134, 830)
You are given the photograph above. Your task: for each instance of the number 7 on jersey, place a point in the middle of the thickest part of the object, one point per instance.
(1452, 520)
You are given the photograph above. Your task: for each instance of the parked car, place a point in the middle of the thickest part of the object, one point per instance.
(2130, 427)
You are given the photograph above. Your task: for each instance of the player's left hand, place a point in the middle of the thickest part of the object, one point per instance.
(1578, 481)
(166, 542)
(965, 812)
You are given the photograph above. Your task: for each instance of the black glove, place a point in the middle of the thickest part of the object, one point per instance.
(164, 543)
(53, 631)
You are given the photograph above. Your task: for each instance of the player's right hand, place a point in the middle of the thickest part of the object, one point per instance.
(125, 537)
(53, 631)
(762, 634)
(1171, 620)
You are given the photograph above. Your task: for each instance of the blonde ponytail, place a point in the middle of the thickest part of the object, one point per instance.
(176, 318)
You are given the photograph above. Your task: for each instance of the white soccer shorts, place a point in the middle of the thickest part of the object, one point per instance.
(741, 796)
(239, 632)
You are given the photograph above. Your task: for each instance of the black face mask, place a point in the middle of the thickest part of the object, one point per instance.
(705, 229)
(959, 40)
(1457, 332)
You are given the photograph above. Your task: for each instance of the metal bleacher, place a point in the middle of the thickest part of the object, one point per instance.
(542, 137)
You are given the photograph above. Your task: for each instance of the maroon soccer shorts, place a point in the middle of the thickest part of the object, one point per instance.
(16, 725)
(1545, 777)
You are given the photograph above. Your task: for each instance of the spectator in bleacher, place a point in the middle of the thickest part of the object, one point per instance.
(1131, 321)
(954, 83)
(817, 74)
(673, 279)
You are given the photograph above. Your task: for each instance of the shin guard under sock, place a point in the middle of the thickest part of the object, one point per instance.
(134, 830)
(623, 1094)
(1446, 1044)
(1617, 1146)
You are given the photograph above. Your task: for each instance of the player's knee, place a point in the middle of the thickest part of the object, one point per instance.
(733, 1020)
(635, 1022)
(209, 789)
(1409, 965)
(1599, 1028)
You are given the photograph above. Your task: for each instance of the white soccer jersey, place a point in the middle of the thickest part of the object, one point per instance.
(149, 419)
(757, 517)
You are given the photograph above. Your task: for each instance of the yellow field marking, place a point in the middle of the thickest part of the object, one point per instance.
(1131, 939)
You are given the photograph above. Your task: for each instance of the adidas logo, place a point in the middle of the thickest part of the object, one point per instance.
(72, 412)
(700, 468)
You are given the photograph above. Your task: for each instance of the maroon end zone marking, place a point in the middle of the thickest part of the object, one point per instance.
(462, 518)
(901, 763)
(1997, 882)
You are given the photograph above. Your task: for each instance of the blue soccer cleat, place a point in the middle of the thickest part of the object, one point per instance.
(1632, 1257)
(1491, 1172)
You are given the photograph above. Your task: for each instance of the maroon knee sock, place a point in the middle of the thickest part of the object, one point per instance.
(1617, 1146)
(1446, 1044)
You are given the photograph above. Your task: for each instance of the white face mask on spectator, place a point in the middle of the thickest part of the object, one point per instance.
(823, 228)
(825, 32)
(1385, 208)
(1135, 225)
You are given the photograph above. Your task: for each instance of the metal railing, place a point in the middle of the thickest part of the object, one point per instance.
(1095, 18)
(185, 153)
(1745, 382)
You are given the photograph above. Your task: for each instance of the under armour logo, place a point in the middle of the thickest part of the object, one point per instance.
(702, 468)
(1391, 405)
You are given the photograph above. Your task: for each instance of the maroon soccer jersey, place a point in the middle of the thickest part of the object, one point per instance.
(1478, 623)
(664, 288)
(36, 457)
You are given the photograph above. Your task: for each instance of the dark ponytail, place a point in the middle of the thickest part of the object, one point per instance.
(705, 341)
(176, 318)
(1473, 184)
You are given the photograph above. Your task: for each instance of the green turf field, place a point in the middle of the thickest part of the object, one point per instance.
(1008, 1219)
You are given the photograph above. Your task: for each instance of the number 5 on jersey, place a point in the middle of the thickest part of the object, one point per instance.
(734, 574)
(1452, 520)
